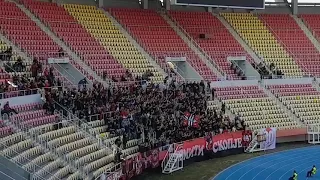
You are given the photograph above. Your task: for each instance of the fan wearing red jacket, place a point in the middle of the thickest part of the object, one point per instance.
(246, 137)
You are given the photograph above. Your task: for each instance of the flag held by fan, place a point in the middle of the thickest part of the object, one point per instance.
(191, 120)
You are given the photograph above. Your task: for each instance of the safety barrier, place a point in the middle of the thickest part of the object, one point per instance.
(200, 149)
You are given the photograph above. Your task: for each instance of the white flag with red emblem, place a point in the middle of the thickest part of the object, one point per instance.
(270, 136)
(191, 120)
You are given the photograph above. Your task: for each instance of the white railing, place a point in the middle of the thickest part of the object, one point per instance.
(313, 129)
(32, 172)
(174, 148)
(78, 123)
(113, 173)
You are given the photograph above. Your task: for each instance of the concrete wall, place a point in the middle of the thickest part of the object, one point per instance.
(288, 81)
(188, 8)
(12, 171)
(84, 2)
(275, 10)
(297, 138)
(234, 83)
(35, 98)
(121, 3)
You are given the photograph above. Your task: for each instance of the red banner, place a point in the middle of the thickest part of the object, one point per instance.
(192, 148)
(246, 138)
(135, 165)
(216, 143)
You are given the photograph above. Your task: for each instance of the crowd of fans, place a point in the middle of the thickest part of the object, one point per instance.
(25, 77)
(154, 112)
(157, 113)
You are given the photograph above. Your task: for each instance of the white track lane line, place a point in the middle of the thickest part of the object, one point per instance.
(315, 160)
(262, 156)
(282, 166)
(264, 160)
(304, 154)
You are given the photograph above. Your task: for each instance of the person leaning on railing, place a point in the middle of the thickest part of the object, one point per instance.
(7, 109)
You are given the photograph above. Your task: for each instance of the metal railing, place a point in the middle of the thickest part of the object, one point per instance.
(18, 93)
(113, 173)
(35, 167)
(30, 49)
(81, 124)
(291, 33)
(160, 62)
(195, 43)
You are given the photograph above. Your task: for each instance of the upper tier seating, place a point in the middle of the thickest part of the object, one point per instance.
(220, 44)
(284, 27)
(109, 36)
(24, 32)
(304, 103)
(255, 107)
(3, 75)
(158, 38)
(312, 21)
(73, 34)
(263, 42)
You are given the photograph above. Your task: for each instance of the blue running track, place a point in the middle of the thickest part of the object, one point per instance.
(275, 166)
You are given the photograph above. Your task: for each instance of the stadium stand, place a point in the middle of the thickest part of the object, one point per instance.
(158, 38)
(78, 39)
(219, 44)
(305, 104)
(254, 107)
(312, 21)
(31, 155)
(123, 119)
(109, 36)
(294, 41)
(72, 134)
(258, 36)
(24, 32)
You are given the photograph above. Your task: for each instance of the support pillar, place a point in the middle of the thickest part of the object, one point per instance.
(167, 4)
(294, 7)
(210, 9)
(145, 4)
(100, 3)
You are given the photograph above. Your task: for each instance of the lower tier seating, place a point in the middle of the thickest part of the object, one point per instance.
(33, 157)
(304, 104)
(254, 107)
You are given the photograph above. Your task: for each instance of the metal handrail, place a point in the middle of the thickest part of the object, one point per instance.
(82, 58)
(164, 66)
(110, 170)
(10, 176)
(195, 43)
(278, 39)
(85, 130)
(73, 78)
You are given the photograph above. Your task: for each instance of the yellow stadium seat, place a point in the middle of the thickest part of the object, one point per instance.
(101, 27)
(257, 35)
